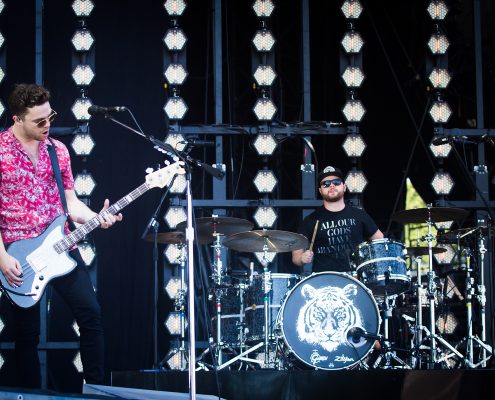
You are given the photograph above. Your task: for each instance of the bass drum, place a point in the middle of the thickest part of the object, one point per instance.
(323, 319)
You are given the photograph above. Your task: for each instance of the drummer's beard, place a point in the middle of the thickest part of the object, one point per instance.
(333, 197)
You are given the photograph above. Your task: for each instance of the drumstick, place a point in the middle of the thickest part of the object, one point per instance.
(314, 235)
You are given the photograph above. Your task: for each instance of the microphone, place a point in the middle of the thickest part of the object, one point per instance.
(94, 110)
(356, 333)
(447, 139)
(198, 142)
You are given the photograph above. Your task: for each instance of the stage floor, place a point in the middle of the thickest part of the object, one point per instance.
(348, 384)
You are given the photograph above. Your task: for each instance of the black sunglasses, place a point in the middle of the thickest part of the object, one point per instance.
(336, 182)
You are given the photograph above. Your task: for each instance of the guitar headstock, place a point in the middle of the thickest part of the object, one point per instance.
(163, 176)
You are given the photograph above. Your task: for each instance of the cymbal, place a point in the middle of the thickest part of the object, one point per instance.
(461, 234)
(437, 214)
(275, 241)
(207, 227)
(167, 237)
(423, 250)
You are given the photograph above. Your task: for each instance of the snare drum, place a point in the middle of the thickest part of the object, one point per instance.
(323, 318)
(381, 265)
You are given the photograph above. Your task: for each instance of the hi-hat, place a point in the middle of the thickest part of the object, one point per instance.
(461, 234)
(423, 250)
(435, 214)
(167, 237)
(270, 240)
(208, 227)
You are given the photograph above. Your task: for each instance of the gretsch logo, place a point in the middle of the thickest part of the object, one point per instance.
(316, 357)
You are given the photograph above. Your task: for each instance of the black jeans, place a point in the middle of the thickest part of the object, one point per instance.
(77, 290)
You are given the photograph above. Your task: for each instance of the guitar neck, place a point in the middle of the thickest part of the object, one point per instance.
(72, 238)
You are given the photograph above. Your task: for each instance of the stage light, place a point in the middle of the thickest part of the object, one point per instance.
(176, 359)
(447, 256)
(438, 44)
(80, 109)
(83, 75)
(440, 112)
(179, 185)
(2, 108)
(2, 361)
(176, 140)
(446, 323)
(77, 362)
(173, 253)
(265, 181)
(265, 217)
(175, 8)
(353, 111)
(354, 145)
(442, 183)
(87, 251)
(82, 144)
(356, 182)
(82, 8)
(352, 42)
(2, 39)
(84, 184)
(175, 215)
(2, 5)
(440, 151)
(264, 261)
(82, 40)
(352, 9)
(264, 109)
(173, 323)
(265, 144)
(353, 77)
(264, 75)
(75, 328)
(437, 9)
(175, 108)
(2, 74)
(175, 39)
(2, 325)
(263, 40)
(444, 225)
(263, 8)
(175, 74)
(173, 287)
(439, 78)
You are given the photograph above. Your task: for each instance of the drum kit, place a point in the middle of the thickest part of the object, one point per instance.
(332, 320)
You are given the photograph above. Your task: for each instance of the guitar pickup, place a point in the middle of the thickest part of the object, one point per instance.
(37, 263)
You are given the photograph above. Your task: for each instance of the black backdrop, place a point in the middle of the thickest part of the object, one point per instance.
(129, 71)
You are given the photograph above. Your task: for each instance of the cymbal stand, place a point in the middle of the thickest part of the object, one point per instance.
(418, 333)
(217, 276)
(481, 297)
(267, 288)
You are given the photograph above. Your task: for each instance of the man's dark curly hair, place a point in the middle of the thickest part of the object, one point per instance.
(25, 96)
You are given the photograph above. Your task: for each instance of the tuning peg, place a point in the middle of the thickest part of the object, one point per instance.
(149, 170)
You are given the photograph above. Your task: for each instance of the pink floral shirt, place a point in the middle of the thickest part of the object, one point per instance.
(29, 196)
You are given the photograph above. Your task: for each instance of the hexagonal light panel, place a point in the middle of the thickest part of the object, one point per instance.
(352, 9)
(75, 328)
(2, 39)
(354, 145)
(353, 111)
(80, 109)
(77, 362)
(265, 217)
(84, 184)
(175, 8)
(440, 151)
(87, 251)
(2, 108)
(265, 144)
(2, 5)
(82, 8)
(173, 323)
(83, 75)
(175, 74)
(438, 44)
(265, 181)
(440, 112)
(264, 109)
(265, 258)
(352, 42)
(175, 108)
(179, 185)
(176, 359)
(173, 253)
(82, 40)
(175, 215)
(442, 183)
(356, 182)
(353, 77)
(176, 140)
(444, 225)
(2, 74)
(173, 287)
(263, 40)
(446, 323)
(437, 9)
(447, 256)
(82, 144)
(175, 39)
(264, 75)
(439, 78)
(263, 8)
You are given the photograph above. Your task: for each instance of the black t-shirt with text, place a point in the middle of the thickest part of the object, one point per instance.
(338, 235)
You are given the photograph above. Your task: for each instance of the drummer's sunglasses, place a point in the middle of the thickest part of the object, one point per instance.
(328, 182)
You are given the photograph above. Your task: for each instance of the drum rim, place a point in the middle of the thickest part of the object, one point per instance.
(382, 240)
(279, 322)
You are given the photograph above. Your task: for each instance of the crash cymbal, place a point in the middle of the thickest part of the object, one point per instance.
(275, 241)
(167, 237)
(206, 227)
(437, 214)
(461, 234)
(423, 250)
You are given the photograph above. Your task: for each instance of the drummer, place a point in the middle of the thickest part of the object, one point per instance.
(340, 228)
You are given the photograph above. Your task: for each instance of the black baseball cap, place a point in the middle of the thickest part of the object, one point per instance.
(330, 171)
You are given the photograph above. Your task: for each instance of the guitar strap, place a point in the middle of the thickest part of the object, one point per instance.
(56, 171)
